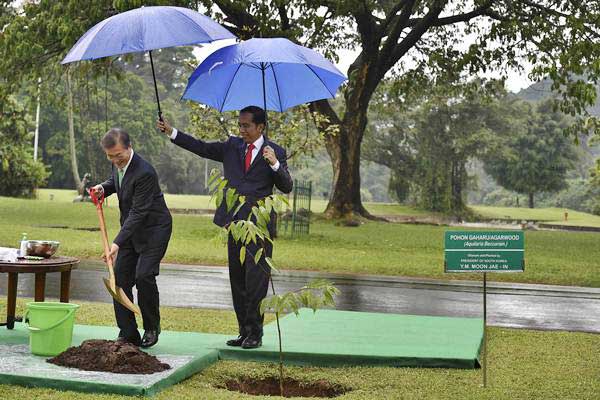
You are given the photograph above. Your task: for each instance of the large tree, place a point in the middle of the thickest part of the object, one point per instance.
(19, 173)
(428, 139)
(536, 156)
(413, 38)
(34, 39)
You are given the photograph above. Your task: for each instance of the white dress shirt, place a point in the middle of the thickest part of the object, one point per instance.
(124, 169)
(128, 162)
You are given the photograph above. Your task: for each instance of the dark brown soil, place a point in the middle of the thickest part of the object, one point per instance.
(109, 356)
(291, 387)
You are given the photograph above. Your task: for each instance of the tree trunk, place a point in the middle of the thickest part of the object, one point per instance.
(459, 176)
(344, 150)
(73, 153)
(344, 147)
(530, 200)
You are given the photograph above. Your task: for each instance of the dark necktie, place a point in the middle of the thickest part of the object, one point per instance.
(248, 159)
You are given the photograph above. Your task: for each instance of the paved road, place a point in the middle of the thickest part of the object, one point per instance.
(509, 305)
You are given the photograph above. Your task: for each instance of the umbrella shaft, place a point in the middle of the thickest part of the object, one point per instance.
(263, 67)
(155, 87)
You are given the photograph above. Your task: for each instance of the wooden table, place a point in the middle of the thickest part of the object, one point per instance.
(40, 268)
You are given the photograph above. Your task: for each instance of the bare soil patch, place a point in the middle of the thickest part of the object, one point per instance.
(291, 387)
(109, 356)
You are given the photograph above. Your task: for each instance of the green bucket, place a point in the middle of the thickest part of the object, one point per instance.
(50, 326)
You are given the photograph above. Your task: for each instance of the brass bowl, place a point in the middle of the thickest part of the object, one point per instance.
(42, 248)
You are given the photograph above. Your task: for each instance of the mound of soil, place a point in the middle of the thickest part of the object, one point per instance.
(109, 356)
(291, 387)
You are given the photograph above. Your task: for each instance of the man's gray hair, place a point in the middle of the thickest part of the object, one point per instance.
(114, 136)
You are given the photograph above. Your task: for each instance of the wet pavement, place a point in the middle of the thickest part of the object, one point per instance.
(509, 305)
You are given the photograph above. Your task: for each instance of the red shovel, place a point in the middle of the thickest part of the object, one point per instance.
(115, 291)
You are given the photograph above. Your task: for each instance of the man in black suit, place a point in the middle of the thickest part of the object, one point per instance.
(141, 243)
(252, 165)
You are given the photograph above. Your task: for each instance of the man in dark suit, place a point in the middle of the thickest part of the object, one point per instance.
(252, 165)
(141, 243)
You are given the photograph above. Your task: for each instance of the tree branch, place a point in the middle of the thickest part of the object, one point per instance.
(370, 35)
(326, 17)
(412, 37)
(396, 26)
(546, 9)
(392, 14)
(556, 13)
(285, 20)
(453, 19)
(239, 17)
(323, 107)
(495, 15)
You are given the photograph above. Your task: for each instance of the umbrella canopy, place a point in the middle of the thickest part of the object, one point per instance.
(146, 29)
(275, 74)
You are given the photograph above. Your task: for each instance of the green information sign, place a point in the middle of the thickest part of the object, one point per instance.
(478, 251)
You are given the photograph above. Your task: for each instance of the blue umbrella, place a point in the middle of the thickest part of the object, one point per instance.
(273, 73)
(146, 29)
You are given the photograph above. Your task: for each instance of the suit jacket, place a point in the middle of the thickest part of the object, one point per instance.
(255, 184)
(145, 218)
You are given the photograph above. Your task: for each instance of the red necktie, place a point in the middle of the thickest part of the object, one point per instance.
(248, 159)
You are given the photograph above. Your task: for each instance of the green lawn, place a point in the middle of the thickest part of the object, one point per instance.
(522, 365)
(203, 202)
(173, 200)
(547, 215)
(567, 258)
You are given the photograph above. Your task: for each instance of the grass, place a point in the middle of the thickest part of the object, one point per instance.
(522, 364)
(547, 215)
(565, 258)
(203, 202)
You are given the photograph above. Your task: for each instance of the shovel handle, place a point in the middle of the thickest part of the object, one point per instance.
(98, 200)
(116, 292)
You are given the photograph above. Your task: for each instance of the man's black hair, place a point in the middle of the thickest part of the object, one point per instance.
(258, 114)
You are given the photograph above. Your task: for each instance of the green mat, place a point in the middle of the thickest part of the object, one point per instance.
(336, 338)
(325, 338)
(187, 353)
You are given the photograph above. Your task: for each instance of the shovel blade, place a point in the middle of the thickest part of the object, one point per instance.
(110, 286)
(119, 295)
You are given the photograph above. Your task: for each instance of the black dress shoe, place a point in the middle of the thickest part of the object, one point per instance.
(150, 339)
(237, 342)
(251, 342)
(136, 341)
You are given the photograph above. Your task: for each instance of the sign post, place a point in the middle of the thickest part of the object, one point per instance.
(484, 251)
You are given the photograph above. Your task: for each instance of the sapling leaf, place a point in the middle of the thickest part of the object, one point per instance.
(240, 205)
(271, 264)
(242, 254)
(219, 198)
(230, 198)
(258, 255)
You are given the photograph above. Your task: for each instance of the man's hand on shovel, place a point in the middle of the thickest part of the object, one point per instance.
(114, 250)
(98, 189)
